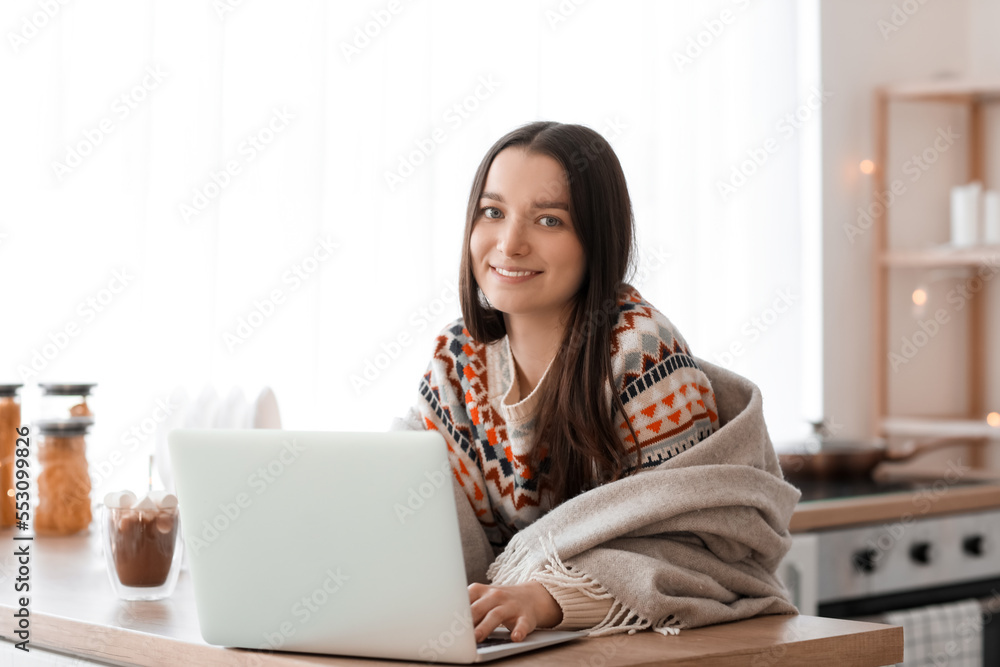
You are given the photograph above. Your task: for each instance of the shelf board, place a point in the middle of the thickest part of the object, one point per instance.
(938, 428)
(946, 91)
(943, 256)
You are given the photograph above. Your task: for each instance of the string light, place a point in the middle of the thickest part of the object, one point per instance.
(867, 166)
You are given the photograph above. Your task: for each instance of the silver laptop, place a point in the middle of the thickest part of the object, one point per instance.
(332, 543)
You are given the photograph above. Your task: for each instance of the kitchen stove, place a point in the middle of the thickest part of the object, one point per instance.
(835, 489)
(908, 554)
(915, 559)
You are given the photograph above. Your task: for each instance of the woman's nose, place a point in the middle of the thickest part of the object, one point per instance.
(512, 240)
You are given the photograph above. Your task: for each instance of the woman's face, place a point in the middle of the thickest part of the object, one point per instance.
(526, 256)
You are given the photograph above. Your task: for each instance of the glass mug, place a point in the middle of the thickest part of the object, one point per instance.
(143, 551)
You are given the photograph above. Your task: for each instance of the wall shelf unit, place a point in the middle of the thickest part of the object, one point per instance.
(972, 427)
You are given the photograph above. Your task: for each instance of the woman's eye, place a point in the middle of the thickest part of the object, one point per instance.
(495, 212)
(549, 221)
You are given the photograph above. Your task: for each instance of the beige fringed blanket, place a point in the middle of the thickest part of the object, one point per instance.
(692, 542)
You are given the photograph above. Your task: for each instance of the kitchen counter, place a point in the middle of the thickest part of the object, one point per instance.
(74, 611)
(941, 495)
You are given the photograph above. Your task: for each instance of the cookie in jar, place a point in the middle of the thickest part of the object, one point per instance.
(10, 422)
(66, 401)
(63, 477)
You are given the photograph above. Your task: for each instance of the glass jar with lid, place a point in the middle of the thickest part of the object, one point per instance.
(10, 421)
(63, 478)
(65, 401)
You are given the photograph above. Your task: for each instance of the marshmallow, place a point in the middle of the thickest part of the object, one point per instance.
(119, 500)
(163, 500)
(164, 523)
(145, 505)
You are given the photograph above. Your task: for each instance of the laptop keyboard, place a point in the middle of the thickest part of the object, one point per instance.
(494, 641)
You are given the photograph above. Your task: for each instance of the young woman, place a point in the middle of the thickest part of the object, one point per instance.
(556, 388)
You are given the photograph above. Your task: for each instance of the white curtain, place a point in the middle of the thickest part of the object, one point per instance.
(242, 193)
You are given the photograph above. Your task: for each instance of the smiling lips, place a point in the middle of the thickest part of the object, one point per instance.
(511, 275)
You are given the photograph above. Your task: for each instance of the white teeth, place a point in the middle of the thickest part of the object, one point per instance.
(513, 274)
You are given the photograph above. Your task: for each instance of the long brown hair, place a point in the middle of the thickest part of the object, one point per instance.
(576, 428)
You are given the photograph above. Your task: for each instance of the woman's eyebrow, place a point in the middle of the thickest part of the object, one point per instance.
(551, 204)
(495, 196)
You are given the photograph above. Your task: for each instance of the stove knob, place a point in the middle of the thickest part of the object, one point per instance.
(921, 553)
(864, 560)
(973, 545)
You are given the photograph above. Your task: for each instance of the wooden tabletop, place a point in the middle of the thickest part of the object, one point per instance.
(73, 610)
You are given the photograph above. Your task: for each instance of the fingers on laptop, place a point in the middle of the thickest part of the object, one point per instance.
(493, 606)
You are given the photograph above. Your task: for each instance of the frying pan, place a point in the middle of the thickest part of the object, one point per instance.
(822, 458)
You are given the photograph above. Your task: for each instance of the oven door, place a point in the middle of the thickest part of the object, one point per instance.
(799, 571)
(987, 591)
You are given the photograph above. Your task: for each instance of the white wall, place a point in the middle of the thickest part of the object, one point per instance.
(984, 47)
(936, 39)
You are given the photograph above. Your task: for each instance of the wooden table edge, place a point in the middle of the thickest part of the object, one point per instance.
(124, 646)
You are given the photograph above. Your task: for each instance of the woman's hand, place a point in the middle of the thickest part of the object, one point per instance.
(520, 608)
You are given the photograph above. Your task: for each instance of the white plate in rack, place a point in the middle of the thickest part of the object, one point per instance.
(231, 412)
(264, 411)
(202, 412)
(179, 403)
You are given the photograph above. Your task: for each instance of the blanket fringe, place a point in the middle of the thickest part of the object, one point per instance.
(559, 574)
(622, 619)
(515, 566)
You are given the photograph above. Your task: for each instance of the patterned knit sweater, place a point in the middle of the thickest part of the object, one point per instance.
(470, 394)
